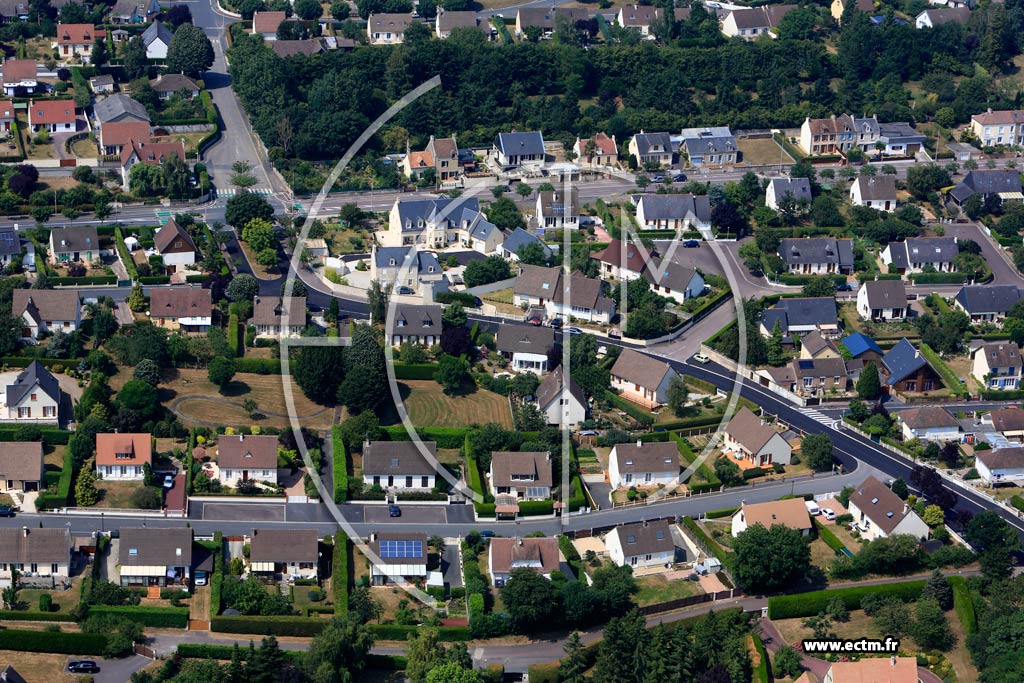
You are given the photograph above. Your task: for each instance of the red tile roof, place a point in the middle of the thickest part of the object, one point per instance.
(78, 34)
(135, 449)
(50, 111)
(151, 152)
(16, 70)
(118, 133)
(6, 109)
(267, 22)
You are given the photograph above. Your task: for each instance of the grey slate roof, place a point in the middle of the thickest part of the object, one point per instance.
(21, 461)
(881, 505)
(270, 310)
(647, 456)
(817, 250)
(987, 182)
(676, 206)
(454, 211)
(171, 231)
(397, 457)
(290, 48)
(28, 378)
(155, 547)
(877, 188)
(798, 188)
(520, 238)
(156, 30)
(519, 144)
(536, 463)
(417, 319)
(551, 388)
(118, 107)
(645, 142)
(800, 312)
(670, 273)
(927, 417)
(78, 238)
(886, 293)
(172, 83)
(1001, 355)
(47, 304)
(41, 546)
(283, 545)
(645, 538)
(923, 250)
(979, 299)
(819, 367)
(525, 339)
(425, 261)
(639, 368)
(902, 360)
(710, 145)
(10, 243)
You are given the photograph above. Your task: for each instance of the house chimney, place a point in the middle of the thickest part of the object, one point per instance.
(519, 541)
(24, 531)
(892, 660)
(906, 508)
(639, 443)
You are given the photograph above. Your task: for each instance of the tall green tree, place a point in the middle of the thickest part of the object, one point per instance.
(869, 386)
(319, 371)
(770, 559)
(190, 51)
(817, 452)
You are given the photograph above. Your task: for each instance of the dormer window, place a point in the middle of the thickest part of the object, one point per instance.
(394, 462)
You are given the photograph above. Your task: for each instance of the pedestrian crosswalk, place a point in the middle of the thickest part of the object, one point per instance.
(231, 192)
(818, 416)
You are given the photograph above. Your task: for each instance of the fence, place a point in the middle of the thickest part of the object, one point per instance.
(120, 512)
(680, 603)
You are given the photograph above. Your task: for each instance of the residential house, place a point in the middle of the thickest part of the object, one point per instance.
(881, 669)
(417, 324)
(509, 249)
(817, 377)
(151, 153)
(512, 150)
(6, 114)
(556, 211)
(899, 140)
(266, 24)
(34, 397)
(46, 311)
(155, 557)
(704, 147)
(673, 212)
(671, 278)
(998, 365)
(277, 316)
(544, 17)
(288, 553)
(290, 48)
(506, 555)
(434, 223)
(963, 151)
(10, 242)
(599, 150)
(1007, 421)
(1002, 466)
(9, 674)
(748, 24)
(75, 41)
(14, 10)
(1000, 185)
(21, 466)
(405, 267)
(814, 346)
(123, 456)
(562, 405)
(1004, 127)
(862, 347)
(651, 148)
(930, 18)
(397, 556)
(638, 17)
(838, 6)
(189, 309)
(794, 190)
(53, 116)
(415, 164)
(641, 544)
(102, 84)
(790, 513)
(116, 135)
(134, 11)
(545, 287)
(399, 465)
(35, 552)
(749, 438)
(908, 370)
(525, 347)
(19, 77)
(987, 303)
(879, 513)
(445, 154)
(317, 251)
(622, 260)
(836, 135)
(817, 255)
(119, 107)
(802, 316)
(877, 192)
(644, 464)
(120, 119)
(928, 423)
(446, 22)
(882, 300)
(157, 38)
(247, 457)
(80, 243)
(642, 379)
(916, 254)
(521, 475)
(175, 246)
(168, 85)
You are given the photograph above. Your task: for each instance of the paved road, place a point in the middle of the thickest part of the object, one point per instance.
(1003, 271)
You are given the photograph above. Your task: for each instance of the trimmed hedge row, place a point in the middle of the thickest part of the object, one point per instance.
(631, 409)
(232, 334)
(81, 281)
(830, 539)
(339, 574)
(217, 578)
(572, 556)
(124, 254)
(446, 437)
(963, 605)
(154, 279)
(810, 604)
(711, 480)
(710, 544)
(1017, 502)
(415, 370)
(311, 627)
(154, 617)
(761, 674)
(938, 278)
(259, 366)
(950, 379)
(1003, 395)
(57, 643)
(12, 615)
(340, 465)
(529, 508)
(718, 514)
(52, 436)
(48, 501)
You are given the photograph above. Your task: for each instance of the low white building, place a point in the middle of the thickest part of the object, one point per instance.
(562, 405)
(642, 379)
(46, 311)
(246, 457)
(525, 348)
(399, 465)
(289, 553)
(929, 423)
(642, 544)
(879, 513)
(915, 254)
(176, 248)
(797, 190)
(882, 300)
(557, 211)
(1003, 466)
(33, 398)
(397, 556)
(790, 513)
(644, 464)
(505, 555)
(35, 552)
(877, 192)
(123, 456)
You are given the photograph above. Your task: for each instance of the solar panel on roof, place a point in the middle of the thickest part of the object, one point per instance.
(805, 364)
(401, 549)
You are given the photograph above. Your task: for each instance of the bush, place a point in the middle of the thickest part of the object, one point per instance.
(828, 537)
(339, 574)
(339, 466)
(154, 617)
(753, 473)
(811, 604)
(45, 602)
(93, 644)
(415, 371)
(446, 437)
(528, 508)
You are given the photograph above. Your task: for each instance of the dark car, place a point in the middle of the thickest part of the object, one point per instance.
(691, 244)
(487, 533)
(394, 511)
(6, 511)
(477, 302)
(405, 290)
(845, 287)
(556, 323)
(679, 178)
(84, 666)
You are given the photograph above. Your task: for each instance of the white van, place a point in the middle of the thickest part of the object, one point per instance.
(812, 508)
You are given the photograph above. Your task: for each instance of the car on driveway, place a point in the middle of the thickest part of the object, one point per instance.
(701, 358)
(658, 179)
(536, 319)
(200, 577)
(169, 481)
(845, 287)
(574, 330)
(394, 511)
(556, 323)
(405, 290)
(828, 513)
(83, 666)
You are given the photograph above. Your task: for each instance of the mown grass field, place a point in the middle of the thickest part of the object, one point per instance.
(428, 406)
(656, 588)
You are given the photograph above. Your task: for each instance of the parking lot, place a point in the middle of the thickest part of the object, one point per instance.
(425, 514)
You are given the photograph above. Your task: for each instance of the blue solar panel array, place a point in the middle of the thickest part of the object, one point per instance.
(401, 549)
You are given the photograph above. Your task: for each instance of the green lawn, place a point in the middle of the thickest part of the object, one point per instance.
(63, 601)
(429, 406)
(655, 589)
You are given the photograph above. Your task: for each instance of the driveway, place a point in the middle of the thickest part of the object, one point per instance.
(1003, 271)
(119, 670)
(451, 564)
(601, 492)
(701, 258)
(425, 514)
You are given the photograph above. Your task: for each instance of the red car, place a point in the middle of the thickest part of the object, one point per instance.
(537, 320)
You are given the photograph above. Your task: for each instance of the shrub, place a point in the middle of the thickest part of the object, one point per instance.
(810, 604)
(339, 575)
(45, 602)
(963, 605)
(752, 473)
(93, 644)
(154, 617)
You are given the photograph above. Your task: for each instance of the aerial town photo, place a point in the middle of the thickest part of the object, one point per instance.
(500, 341)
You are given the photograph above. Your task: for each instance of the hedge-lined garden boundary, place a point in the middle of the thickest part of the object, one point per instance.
(18, 615)
(339, 465)
(811, 604)
(54, 437)
(709, 543)
(217, 579)
(949, 377)
(415, 371)
(830, 539)
(633, 410)
(56, 643)
(963, 605)
(339, 573)
(311, 627)
(154, 617)
(226, 652)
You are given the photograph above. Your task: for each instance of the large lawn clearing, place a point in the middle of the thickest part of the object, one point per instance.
(656, 588)
(762, 151)
(39, 667)
(429, 406)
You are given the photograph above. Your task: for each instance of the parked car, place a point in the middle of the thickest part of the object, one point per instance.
(679, 178)
(486, 533)
(657, 179)
(701, 358)
(574, 330)
(200, 577)
(405, 290)
(614, 333)
(536, 319)
(691, 244)
(828, 513)
(845, 287)
(394, 511)
(83, 666)
(6, 511)
(556, 323)
(169, 481)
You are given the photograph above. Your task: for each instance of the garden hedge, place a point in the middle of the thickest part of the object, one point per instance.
(810, 604)
(234, 341)
(197, 279)
(529, 508)
(18, 615)
(82, 281)
(154, 617)
(718, 514)
(572, 556)
(710, 544)
(949, 378)
(154, 279)
(830, 539)
(963, 604)
(217, 578)
(311, 627)
(339, 573)
(636, 412)
(937, 278)
(339, 465)
(124, 254)
(415, 371)
(467, 300)
(259, 366)
(54, 437)
(761, 674)
(57, 643)
(1003, 395)
(1017, 502)
(386, 662)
